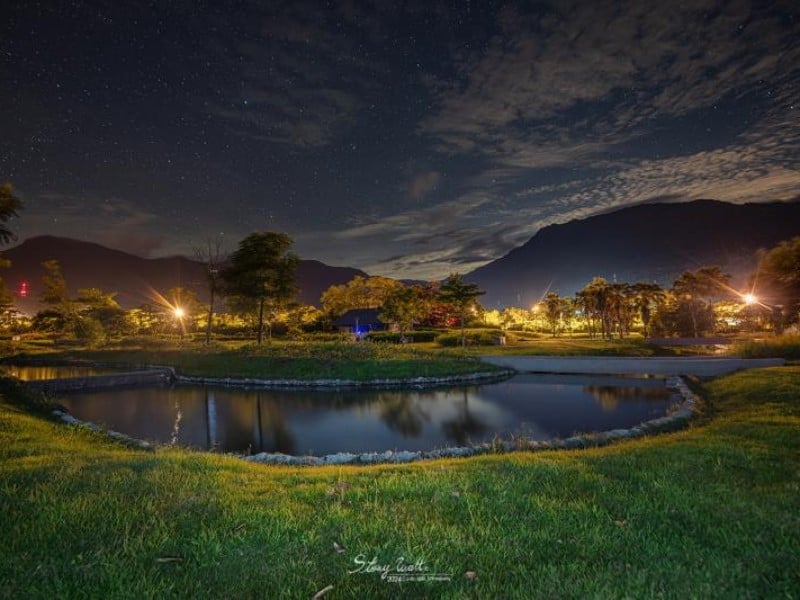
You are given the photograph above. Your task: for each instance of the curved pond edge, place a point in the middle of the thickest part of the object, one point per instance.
(678, 418)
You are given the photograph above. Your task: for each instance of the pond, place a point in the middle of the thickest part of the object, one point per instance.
(314, 422)
(42, 372)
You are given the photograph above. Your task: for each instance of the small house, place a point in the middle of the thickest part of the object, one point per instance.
(360, 322)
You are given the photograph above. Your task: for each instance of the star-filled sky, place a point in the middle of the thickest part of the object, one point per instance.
(410, 139)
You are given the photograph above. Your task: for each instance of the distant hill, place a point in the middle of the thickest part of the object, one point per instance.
(85, 265)
(648, 242)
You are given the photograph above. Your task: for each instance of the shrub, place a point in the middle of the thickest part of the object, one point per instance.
(785, 346)
(479, 337)
(393, 337)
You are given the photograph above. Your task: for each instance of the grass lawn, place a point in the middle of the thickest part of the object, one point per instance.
(292, 360)
(713, 511)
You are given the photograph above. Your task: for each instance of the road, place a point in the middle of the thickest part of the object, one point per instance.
(700, 366)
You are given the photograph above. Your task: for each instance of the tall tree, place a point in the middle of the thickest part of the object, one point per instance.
(61, 314)
(778, 278)
(648, 297)
(263, 269)
(9, 205)
(404, 307)
(212, 256)
(694, 293)
(552, 311)
(463, 296)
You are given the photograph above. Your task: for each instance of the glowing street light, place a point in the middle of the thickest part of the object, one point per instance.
(178, 312)
(750, 298)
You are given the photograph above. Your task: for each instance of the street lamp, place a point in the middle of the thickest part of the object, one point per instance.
(179, 314)
(750, 298)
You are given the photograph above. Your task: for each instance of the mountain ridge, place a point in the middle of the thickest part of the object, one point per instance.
(645, 242)
(135, 279)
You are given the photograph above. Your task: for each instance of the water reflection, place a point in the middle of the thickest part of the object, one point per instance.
(40, 373)
(317, 422)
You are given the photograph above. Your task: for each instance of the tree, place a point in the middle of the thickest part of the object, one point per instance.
(55, 295)
(404, 307)
(778, 280)
(359, 292)
(9, 205)
(262, 269)
(647, 297)
(212, 256)
(694, 292)
(463, 296)
(102, 308)
(552, 311)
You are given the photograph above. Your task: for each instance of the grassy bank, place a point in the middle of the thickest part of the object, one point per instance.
(292, 360)
(713, 511)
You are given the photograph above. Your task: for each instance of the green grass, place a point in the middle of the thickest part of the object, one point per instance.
(785, 346)
(710, 512)
(295, 360)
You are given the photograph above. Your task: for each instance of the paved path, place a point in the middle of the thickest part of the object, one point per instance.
(700, 366)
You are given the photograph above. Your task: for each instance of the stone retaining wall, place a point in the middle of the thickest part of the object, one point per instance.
(102, 382)
(412, 382)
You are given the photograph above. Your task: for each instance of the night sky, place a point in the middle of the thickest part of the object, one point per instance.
(409, 139)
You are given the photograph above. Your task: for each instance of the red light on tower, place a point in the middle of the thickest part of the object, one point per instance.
(23, 289)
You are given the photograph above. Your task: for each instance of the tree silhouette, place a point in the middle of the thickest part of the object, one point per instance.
(463, 296)
(9, 205)
(262, 269)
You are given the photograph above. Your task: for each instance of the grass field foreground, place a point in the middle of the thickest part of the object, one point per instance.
(713, 511)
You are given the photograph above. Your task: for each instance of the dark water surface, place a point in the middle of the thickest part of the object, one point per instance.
(325, 422)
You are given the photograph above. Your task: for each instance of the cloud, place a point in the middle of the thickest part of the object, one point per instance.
(112, 222)
(302, 81)
(423, 183)
(567, 84)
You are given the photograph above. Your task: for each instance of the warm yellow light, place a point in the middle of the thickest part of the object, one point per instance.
(178, 312)
(750, 298)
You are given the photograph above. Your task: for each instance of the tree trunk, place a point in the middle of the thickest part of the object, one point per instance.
(210, 317)
(260, 321)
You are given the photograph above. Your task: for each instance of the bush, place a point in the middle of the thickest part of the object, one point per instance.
(393, 337)
(480, 337)
(89, 331)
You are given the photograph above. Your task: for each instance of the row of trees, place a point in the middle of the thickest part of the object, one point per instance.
(257, 281)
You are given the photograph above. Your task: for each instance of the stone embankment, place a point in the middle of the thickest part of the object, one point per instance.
(156, 376)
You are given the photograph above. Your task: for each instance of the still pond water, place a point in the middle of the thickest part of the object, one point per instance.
(325, 422)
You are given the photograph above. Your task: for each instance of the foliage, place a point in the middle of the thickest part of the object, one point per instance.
(10, 204)
(463, 296)
(409, 336)
(694, 293)
(262, 269)
(480, 337)
(89, 330)
(403, 307)
(784, 346)
(359, 292)
(778, 279)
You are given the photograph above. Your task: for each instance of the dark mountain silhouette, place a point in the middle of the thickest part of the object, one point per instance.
(648, 242)
(85, 264)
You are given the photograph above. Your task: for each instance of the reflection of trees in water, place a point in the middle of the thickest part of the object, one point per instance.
(609, 397)
(176, 424)
(465, 425)
(272, 420)
(402, 413)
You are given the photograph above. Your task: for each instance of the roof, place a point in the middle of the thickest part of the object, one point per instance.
(362, 316)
